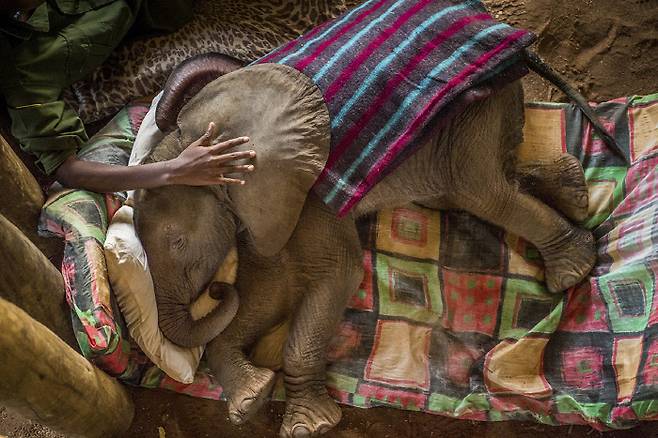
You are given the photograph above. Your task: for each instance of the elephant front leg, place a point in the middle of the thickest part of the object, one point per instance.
(246, 386)
(327, 260)
(310, 410)
(263, 305)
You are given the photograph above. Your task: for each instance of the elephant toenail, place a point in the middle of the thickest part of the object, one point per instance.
(568, 281)
(235, 418)
(301, 431)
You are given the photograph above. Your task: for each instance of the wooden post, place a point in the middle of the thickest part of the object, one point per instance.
(21, 200)
(30, 281)
(45, 380)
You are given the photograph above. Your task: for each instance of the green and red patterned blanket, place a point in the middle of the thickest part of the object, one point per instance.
(452, 316)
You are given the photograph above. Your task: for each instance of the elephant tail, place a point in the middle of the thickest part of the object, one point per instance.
(179, 326)
(539, 66)
(187, 79)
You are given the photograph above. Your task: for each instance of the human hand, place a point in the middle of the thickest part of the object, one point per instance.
(203, 163)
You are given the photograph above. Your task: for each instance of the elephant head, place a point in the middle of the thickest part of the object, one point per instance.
(187, 231)
(183, 231)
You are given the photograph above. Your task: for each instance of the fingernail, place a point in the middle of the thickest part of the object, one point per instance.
(245, 139)
(252, 153)
(241, 183)
(250, 168)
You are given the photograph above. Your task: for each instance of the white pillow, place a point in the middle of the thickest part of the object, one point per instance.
(148, 135)
(132, 284)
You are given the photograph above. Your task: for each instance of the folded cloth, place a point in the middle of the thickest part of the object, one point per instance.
(389, 71)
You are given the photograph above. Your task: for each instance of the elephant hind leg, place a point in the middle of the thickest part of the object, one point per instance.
(560, 183)
(481, 161)
(568, 251)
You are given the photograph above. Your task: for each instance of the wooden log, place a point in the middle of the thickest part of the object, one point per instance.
(21, 200)
(30, 281)
(45, 380)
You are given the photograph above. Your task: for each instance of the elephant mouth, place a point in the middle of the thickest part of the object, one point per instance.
(220, 289)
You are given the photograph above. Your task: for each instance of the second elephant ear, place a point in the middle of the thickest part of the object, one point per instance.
(284, 115)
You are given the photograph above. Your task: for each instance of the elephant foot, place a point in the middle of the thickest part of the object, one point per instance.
(309, 413)
(249, 396)
(569, 260)
(571, 195)
(560, 184)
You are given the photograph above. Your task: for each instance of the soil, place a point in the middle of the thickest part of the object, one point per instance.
(164, 414)
(607, 49)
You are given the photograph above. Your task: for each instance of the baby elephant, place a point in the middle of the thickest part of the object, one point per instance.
(305, 109)
(307, 260)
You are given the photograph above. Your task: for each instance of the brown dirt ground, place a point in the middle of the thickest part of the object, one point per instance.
(607, 48)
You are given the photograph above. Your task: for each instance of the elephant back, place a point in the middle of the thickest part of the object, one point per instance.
(392, 73)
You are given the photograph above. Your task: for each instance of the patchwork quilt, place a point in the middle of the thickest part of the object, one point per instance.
(452, 316)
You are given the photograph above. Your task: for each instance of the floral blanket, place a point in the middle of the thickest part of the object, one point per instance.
(452, 316)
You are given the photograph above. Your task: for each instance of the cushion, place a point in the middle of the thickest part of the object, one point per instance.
(132, 284)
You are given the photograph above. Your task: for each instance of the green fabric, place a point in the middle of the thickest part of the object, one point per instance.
(62, 42)
(164, 15)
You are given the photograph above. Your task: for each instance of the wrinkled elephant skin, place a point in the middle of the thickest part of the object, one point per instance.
(298, 260)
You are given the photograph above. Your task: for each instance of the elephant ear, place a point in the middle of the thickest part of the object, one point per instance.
(284, 115)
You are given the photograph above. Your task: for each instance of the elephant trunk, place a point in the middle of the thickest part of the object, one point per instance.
(187, 79)
(178, 325)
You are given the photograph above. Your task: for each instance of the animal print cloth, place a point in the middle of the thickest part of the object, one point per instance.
(391, 73)
(244, 29)
(452, 316)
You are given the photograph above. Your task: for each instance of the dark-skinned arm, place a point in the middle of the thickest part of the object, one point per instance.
(201, 163)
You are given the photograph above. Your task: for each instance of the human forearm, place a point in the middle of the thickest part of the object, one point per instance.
(201, 163)
(102, 178)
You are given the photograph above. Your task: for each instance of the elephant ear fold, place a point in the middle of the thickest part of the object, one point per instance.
(284, 115)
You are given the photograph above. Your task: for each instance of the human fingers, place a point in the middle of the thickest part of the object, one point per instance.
(207, 136)
(236, 169)
(233, 156)
(232, 181)
(212, 180)
(228, 144)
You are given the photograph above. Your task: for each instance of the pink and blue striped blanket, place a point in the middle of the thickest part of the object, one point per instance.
(393, 71)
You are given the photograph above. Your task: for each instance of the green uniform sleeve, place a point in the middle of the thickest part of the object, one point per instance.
(64, 41)
(37, 68)
(50, 131)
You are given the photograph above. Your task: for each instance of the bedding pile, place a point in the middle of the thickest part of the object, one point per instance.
(452, 316)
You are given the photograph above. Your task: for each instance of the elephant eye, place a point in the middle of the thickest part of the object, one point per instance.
(178, 243)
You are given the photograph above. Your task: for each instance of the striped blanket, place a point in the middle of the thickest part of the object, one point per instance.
(391, 72)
